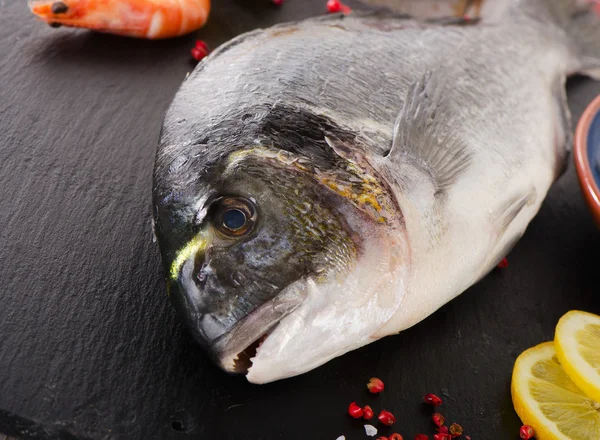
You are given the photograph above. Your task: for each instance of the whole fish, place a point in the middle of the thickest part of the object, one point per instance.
(322, 184)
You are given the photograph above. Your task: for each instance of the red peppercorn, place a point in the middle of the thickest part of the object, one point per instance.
(526, 432)
(200, 50)
(455, 430)
(442, 437)
(202, 45)
(432, 399)
(503, 264)
(395, 436)
(197, 54)
(355, 411)
(443, 430)
(277, 2)
(334, 6)
(421, 437)
(375, 385)
(367, 413)
(438, 419)
(387, 418)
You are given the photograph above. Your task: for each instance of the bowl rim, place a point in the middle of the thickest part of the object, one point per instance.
(582, 163)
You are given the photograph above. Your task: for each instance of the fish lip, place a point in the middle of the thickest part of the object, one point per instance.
(235, 349)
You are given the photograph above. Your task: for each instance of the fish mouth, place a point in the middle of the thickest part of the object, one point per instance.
(243, 360)
(235, 350)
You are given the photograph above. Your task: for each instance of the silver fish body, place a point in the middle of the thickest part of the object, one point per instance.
(322, 184)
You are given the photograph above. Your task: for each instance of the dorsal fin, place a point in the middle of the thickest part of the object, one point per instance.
(427, 132)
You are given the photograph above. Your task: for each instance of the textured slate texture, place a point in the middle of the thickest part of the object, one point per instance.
(89, 345)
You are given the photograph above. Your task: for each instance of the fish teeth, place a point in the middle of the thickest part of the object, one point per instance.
(261, 340)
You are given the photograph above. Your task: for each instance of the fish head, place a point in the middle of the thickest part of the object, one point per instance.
(278, 265)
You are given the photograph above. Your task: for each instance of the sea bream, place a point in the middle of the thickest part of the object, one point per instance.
(322, 184)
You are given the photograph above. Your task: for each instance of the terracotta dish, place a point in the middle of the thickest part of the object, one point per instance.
(587, 156)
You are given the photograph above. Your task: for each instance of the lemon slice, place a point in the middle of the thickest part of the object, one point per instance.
(545, 398)
(577, 343)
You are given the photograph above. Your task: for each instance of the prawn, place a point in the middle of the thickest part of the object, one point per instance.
(152, 19)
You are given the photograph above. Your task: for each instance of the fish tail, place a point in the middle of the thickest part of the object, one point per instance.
(580, 20)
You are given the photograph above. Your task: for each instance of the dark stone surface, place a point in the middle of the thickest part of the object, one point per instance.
(89, 345)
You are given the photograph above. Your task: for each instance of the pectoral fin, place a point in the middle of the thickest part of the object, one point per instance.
(427, 133)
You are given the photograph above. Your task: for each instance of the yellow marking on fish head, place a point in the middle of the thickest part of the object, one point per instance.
(196, 244)
(364, 191)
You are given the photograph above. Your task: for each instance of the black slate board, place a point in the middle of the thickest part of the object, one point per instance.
(89, 345)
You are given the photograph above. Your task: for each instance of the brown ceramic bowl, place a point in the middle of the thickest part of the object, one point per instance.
(587, 156)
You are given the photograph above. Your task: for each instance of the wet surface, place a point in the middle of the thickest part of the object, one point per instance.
(91, 348)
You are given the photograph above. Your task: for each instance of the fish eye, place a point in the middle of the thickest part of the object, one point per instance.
(235, 216)
(234, 219)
